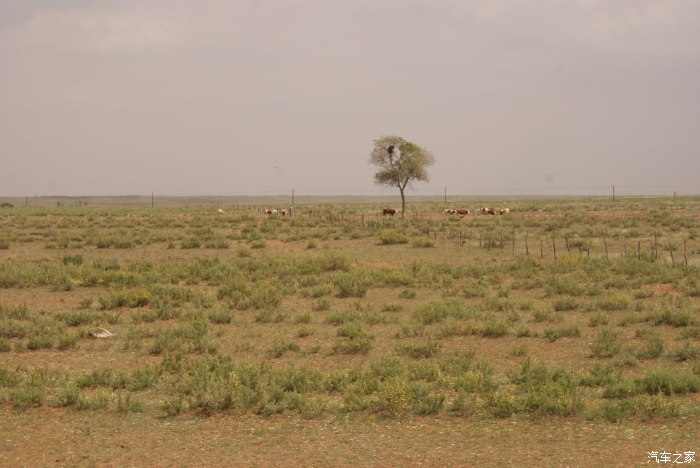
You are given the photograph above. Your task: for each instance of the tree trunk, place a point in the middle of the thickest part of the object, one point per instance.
(403, 203)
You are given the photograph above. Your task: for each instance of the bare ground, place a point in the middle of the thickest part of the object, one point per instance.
(60, 437)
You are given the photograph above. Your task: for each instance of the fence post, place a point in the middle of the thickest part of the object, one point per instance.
(670, 250)
(527, 250)
(513, 240)
(554, 248)
(685, 252)
(541, 250)
(605, 240)
(639, 250)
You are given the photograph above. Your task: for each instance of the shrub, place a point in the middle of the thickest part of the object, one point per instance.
(600, 318)
(546, 315)
(420, 350)
(423, 243)
(392, 237)
(392, 398)
(356, 346)
(681, 318)
(279, 347)
(606, 343)
(668, 383)
(76, 259)
(652, 349)
(687, 352)
(565, 303)
(495, 329)
(220, 315)
(351, 284)
(614, 303)
(190, 243)
(554, 334)
(407, 294)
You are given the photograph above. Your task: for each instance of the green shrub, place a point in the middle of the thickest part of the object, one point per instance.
(546, 315)
(668, 383)
(565, 303)
(220, 315)
(681, 318)
(565, 331)
(190, 243)
(279, 347)
(357, 346)
(392, 398)
(392, 237)
(600, 318)
(606, 343)
(420, 350)
(652, 349)
(495, 329)
(407, 294)
(351, 284)
(423, 243)
(686, 352)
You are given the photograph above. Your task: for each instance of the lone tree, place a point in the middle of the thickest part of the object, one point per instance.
(400, 162)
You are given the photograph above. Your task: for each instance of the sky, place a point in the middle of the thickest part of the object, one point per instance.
(256, 97)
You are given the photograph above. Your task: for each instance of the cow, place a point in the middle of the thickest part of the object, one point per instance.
(283, 212)
(463, 212)
(487, 211)
(388, 211)
(504, 211)
(268, 211)
(450, 211)
(221, 211)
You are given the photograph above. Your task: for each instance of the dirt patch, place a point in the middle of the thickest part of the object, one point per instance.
(284, 246)
(69, 438)
(662, 289)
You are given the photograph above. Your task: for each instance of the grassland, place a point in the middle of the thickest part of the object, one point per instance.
(567, 331)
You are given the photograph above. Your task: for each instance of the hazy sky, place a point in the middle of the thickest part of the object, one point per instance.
(261, 97)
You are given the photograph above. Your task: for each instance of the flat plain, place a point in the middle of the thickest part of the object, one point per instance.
(565, 332)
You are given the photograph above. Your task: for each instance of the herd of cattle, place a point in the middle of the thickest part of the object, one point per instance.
(391, 211)
(461, 212)
(277, 212)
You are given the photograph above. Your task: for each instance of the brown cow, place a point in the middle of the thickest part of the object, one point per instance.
(450, 211)
(388, 211)
(463, 212)
(487, 211)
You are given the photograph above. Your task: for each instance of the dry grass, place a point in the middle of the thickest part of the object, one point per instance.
(276, 333)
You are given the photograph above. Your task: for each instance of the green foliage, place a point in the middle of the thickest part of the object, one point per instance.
(280, 347)
(652, 349)
(392, 237)
(419, 350)
(566, 331)
(352, 284)
(606, 343)
(423, 243)
(495, 329)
